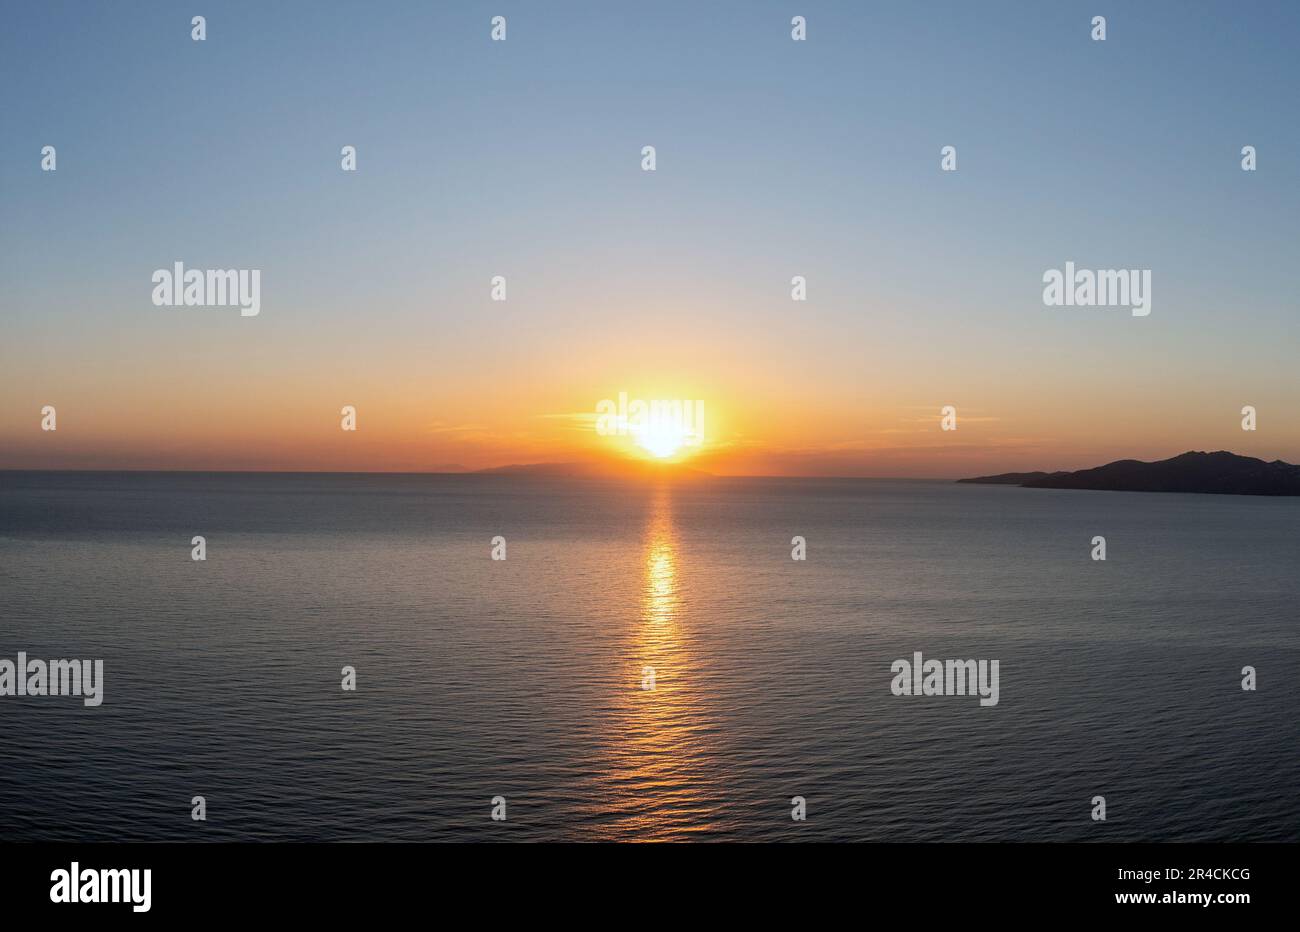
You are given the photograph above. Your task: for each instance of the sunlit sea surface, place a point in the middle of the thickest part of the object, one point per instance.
(524, 678)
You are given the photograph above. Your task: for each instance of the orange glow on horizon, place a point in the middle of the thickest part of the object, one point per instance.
(463, 425)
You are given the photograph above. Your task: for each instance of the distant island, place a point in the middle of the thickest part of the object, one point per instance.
(1219, 473)
(612, 469)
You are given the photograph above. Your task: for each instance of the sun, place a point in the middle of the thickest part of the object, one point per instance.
(666, 431)
(662, 438)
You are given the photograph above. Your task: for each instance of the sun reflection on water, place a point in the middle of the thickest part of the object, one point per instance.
(660, 597)
(661, 756)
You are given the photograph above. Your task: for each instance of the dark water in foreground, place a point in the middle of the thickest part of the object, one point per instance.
(523, 678)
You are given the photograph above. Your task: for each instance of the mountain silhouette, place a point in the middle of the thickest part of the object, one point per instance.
(1220, 473)
(599, 469)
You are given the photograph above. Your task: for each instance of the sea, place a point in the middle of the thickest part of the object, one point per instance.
(647, 662)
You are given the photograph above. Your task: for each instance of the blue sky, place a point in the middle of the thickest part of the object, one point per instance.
(775, 158)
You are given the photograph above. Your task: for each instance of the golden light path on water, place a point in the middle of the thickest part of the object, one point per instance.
(660, 768)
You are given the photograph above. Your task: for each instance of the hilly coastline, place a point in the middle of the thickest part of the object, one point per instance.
(1220, 473)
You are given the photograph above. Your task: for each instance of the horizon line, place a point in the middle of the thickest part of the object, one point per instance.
(494, 471)
(640, 470)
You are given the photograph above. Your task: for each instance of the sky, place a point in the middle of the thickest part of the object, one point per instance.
(523, 158)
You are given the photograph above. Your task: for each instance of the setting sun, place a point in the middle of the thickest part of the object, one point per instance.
(663, 439)
(658, 429)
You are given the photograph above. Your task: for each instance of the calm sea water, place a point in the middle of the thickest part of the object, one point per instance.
(523, 678)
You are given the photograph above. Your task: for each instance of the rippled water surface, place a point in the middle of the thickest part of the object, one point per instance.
(524, 678)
